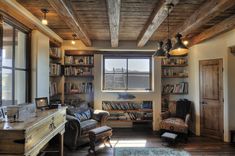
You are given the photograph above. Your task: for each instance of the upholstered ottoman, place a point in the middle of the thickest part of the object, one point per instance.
(99, 135)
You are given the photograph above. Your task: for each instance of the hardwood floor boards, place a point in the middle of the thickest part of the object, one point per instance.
(137, 137)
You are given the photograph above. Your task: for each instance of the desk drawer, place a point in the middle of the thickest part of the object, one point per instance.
(43, 129)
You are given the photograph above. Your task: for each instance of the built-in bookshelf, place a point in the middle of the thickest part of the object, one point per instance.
(78, 73)
(174, 79)
(129, 111)
(56, 74)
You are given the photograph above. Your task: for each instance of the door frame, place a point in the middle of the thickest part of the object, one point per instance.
(221, 94)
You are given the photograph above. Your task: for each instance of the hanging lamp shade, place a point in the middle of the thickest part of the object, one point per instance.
(179, 48)
(160, 53)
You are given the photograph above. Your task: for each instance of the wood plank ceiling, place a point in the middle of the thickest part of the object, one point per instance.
(193, 18)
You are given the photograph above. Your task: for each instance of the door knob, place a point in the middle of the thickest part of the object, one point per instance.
(203, 102)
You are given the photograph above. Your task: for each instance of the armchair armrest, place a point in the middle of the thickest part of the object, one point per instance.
(165, 115)
(187, 119)
(101, 116)
(72, 131)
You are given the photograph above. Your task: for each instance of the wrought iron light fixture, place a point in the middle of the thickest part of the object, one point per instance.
(74, 38)
(160, 53)
(179, 48)
(44, 19)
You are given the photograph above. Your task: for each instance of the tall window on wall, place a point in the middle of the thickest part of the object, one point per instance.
(127, 73)
(14, 77)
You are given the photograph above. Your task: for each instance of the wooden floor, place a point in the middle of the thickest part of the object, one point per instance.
(198, 146)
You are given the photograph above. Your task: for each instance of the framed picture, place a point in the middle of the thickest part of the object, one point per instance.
(41, 102)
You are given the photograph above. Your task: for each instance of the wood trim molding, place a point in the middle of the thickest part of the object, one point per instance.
(157, 17)
(17, 11)
(70, 18)
(114, 7)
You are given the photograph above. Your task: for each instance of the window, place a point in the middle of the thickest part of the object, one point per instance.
(14, 66)
(127, 73)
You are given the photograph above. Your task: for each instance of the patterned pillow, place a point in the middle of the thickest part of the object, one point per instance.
(83, 115)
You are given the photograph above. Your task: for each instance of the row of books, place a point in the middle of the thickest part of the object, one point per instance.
(80, 87)
(55, 69)
(79, 60)
(53, 88)
(175, 88)
(172, 72)
(77, 71)
(55, 52)
(131, 116)
(174, 61)
(110, 105)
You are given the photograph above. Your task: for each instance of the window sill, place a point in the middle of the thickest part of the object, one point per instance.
(127, 91)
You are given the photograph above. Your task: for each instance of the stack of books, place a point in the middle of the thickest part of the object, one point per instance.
(55, 52)
(179, 88)
(55, 69)
(53, 89)
(76, 88)
(79, 60)
(78, 71)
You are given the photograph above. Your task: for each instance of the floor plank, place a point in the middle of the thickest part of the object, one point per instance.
(137, 137)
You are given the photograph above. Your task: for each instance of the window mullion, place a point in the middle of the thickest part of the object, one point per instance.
(127, 74)
(13, 67)
(1, 47)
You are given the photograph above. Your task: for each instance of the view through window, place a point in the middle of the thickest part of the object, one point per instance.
(127, 73)
(14, 71)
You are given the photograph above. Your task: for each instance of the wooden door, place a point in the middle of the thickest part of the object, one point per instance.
(211, 98)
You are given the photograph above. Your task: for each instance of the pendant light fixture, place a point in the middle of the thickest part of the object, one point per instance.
(44, 19)
(74, 38)
(179, 48)
(160, 53)
(164, 51)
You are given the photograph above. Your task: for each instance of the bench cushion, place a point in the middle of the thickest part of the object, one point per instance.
(100, 130)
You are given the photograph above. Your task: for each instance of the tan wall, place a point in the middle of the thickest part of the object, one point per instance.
(40, 65)
(217, 47)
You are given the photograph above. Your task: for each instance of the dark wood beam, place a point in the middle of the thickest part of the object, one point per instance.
(224, 26)
(209, 10)
(158, 15)
(69, 17)
(114, 7)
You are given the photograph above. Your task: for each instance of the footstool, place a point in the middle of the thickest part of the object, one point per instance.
(99, 135)
(170, 137)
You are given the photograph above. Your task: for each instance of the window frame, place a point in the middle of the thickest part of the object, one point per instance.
(127, 57)
(4, 18)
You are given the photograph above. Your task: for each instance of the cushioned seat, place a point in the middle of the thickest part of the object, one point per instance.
(100, 130)
(87, 125)
(174, 124)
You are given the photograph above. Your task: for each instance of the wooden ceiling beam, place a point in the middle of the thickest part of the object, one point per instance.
(224, 26)
(114, 7)
(209, 10)
(157, 17)
(69, 17)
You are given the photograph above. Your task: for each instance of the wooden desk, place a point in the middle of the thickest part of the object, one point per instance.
(30, 136)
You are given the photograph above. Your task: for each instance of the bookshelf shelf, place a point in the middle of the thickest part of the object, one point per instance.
(55, 57)
(78, 74)
(130, 120)
(174, 80)
(133, 110)
(55, 95)
(165, 77)
(174, 65)
(80, 65)
(81, 76)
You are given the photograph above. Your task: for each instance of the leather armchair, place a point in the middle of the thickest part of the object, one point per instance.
(76, 128)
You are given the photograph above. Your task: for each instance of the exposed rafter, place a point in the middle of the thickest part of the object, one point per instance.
(66, 13)
(209, 10)
(226, 25)
(113, 7)
(155, 20)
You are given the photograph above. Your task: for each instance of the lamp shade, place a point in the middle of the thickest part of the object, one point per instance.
(160, 53)
(179, 48)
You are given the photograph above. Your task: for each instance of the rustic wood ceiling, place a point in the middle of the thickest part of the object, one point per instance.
(135, 17)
